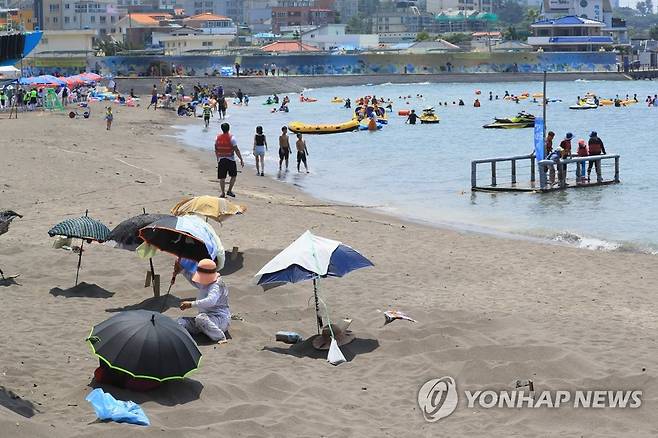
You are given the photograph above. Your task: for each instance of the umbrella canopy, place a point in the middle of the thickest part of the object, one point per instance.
(146, 345)
(126, 234)
(186, 237)
(91, 76)
(310, 257)
(208, 206)
(81, 228)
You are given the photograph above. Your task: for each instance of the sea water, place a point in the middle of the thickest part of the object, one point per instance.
(422, 172)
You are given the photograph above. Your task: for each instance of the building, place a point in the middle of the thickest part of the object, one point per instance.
(190, 41)
(569, 34)
(135, 30)
(17, 19)
(464, 21)
(333, 36)
(295, 13)
(212, 24)
(438, 6)
(257, 14)
(347, 9)
(289, 47)
(99, 15)
(598, 10)
(424, 47)
(61, 51)
(229, 8)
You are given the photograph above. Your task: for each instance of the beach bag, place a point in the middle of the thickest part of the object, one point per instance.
(335, 356)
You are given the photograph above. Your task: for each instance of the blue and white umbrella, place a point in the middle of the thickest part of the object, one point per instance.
(308, 258)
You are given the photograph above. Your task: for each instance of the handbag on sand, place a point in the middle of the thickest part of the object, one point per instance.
(335, 356)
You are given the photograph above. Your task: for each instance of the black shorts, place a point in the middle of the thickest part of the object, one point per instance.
(301, 157)
(206, 118)
(226, 166)
(284, 154)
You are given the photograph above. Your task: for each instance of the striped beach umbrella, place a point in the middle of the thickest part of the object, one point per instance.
(84, 228)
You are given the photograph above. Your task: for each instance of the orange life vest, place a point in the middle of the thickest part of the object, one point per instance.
(223, 146)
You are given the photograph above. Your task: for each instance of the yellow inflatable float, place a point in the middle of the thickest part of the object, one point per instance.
(337, 100)
(335, 128)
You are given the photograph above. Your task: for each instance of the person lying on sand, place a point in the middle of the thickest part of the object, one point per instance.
(214, 315)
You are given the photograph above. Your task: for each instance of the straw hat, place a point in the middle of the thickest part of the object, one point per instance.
(206, 272)
(341, 332)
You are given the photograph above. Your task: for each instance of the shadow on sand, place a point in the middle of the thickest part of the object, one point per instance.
(232, 265)
(82, 290)
(171, 393)
(305, 349)
(16, 404)
(9, 281)
(154, 304)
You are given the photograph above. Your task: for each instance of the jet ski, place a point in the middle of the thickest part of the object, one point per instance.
(584, 105)
(522, 120)
(428, 116)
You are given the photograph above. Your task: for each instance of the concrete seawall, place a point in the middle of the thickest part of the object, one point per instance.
(264, 85)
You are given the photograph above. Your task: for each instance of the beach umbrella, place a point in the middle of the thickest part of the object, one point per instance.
(91, 76)
(84, 228)
(6, 217)
(146, 345)
(311, 257)
(209, 206)
(186, 237)
(126, 236)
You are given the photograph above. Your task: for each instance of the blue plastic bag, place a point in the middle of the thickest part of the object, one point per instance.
(109, 408)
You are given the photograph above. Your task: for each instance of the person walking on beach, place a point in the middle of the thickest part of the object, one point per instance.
(302, 152)
(154, 98)
(226, 148)
(109, 117)
(596, 147)
(260, 146)
(214, 315)
(284, 147)
(207, 113)
(221, 103)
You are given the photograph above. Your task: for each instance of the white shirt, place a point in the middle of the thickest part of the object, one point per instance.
(212, 299)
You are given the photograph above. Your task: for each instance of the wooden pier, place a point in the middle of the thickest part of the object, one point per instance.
(542, 184)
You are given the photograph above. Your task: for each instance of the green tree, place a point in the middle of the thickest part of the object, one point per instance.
(511, 12)
(457, 38)
(641, 8)
(423, 36)
(531, 15)
(511, 34)
(653, 32)
(356, 25)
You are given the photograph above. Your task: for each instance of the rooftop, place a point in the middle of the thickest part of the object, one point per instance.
(289, 46)
(149, 19)
(207, 16)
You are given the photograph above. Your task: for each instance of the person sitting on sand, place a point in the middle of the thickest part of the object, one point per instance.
(302, 152)
(214, 315)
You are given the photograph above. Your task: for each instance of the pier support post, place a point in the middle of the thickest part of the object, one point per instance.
(543, 184)
(474, 173)
(532, 169)
(617, 169)
(493, 173)
(513, 171)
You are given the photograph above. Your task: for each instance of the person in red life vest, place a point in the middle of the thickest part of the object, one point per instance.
(226, 148)
(565, 145)
(580, 166)
(596, 147)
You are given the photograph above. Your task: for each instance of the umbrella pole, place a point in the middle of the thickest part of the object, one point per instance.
(317, 305)
(154, 279)
(77, 273)
(164, 302)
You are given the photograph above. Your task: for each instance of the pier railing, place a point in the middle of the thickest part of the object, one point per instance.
(561, 169)
(493, 162)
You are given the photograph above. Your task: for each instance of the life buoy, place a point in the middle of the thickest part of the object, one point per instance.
(404, 112)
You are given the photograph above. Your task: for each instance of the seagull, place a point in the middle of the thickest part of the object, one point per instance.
(6, 217)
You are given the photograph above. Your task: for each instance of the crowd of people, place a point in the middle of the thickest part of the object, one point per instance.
(30, 98)
(592, 147)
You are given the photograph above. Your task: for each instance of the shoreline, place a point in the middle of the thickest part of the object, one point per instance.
(489, 310)
(264, 85)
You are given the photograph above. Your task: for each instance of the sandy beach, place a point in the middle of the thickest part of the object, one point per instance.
(490, 310)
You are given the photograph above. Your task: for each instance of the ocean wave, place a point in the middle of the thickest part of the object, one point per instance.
(596, 244)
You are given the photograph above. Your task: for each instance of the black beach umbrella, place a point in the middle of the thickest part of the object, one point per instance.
(181, 236)
(6, 217)
(126, 234)
(84, 228)
(146, 345)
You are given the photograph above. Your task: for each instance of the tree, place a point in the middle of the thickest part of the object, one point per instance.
(457, 38)
(532, 15)
(423, 36)
(641, 8)
(511, 12)
(653, 33)
(356, 25)
(649, 5)
(511, 34)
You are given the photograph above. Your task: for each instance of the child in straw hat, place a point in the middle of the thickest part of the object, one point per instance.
(214, 315)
